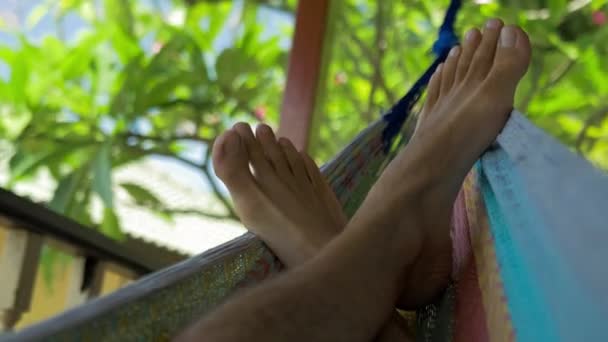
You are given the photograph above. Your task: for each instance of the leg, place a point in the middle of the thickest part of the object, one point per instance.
(332, 296)
(287, 202)
(472, 92)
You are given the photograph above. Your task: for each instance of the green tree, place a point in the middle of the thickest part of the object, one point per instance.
(136, 82)
(379, 48)
(81, 108)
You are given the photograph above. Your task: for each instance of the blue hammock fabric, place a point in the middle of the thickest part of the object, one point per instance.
(537, 247)
(556, 229)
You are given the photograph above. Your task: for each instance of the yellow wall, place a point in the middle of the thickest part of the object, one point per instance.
(2, 239)
(49, 299)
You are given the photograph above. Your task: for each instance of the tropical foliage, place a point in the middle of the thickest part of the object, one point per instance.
(136, 81)
(142, 80)
(381, 47)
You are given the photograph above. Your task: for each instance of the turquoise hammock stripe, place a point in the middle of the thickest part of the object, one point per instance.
(526, 304)
(571, 292)
(552, 290)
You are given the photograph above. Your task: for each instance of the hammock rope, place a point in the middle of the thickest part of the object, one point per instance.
(446, 39)
(521, 272)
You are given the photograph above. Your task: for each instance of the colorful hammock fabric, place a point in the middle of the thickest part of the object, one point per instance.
(157, 306)
(529, 247)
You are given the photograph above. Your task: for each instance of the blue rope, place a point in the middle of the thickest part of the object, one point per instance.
(447, 39)
(447, 36)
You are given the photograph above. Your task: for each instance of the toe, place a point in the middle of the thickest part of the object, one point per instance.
(231, 164)
(272, 150)
(324, 191)
(257, 158)
(484, 55)
(432, 94)
(297, 165)
(512, 56)
(449, 69)
(433, 88)
(314, 174)
(471, 42)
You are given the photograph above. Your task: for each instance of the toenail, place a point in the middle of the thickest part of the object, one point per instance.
(455, 51)
(493, 24)
(508, 36)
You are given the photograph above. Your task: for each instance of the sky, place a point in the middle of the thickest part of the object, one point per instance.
(17, 15)
(171, 180)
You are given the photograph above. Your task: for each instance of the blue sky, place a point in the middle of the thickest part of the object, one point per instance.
(14, 16)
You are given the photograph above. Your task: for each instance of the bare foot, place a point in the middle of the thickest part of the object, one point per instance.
(285, 201)
(469, 100)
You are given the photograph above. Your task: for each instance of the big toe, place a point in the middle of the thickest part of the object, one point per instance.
(231, 163)
(512, 57)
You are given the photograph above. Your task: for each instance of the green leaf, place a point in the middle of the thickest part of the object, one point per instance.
(110, 225)
(78, 59)
(53, 259)
(68, 5)
(142, 196)
(230, 64)
(205, 22)
(65, 190)
(120, 12)
(19, 78)
(80, 210)
(147, 199)
(102, 174)
(25, 163)
(125, 46)
(161, 92)
(123, 101)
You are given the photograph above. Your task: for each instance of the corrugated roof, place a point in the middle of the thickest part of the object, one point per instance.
(177, 186)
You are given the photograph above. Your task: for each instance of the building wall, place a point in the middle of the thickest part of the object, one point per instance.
(62, 291)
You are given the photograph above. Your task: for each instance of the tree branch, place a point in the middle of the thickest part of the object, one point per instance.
(592, 120)
(185, 102)
(370, 55)
(536, 70)
(559, 74)
(380, 45)
(169, 138)
(555, 78)
(178, 158)
(204, 167)
(283, 6)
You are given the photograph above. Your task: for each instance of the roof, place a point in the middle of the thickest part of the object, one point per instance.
(176, 185)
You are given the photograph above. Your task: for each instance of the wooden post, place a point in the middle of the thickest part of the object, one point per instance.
(75, 295)
(18, 266)
(304, 71)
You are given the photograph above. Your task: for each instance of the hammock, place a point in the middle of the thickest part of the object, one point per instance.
(529, 247)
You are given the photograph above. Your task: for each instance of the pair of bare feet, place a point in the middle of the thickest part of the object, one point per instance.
(289, 205)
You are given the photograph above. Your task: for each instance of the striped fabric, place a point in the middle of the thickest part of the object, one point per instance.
(529, 246)
(529, 253)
